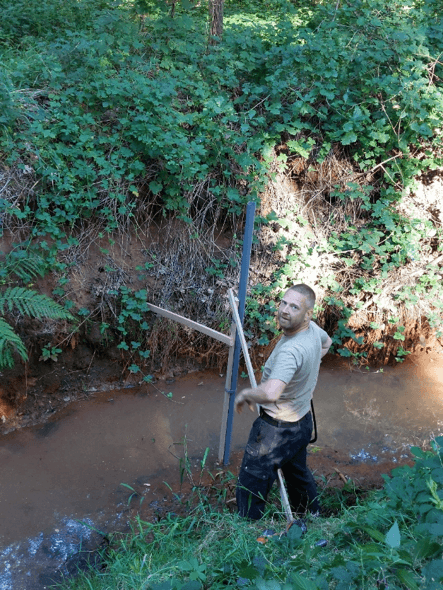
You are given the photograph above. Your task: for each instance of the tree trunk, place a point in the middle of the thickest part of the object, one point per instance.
(216, 20)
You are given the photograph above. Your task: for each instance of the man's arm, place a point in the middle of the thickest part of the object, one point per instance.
(267, 392)
(325, 347)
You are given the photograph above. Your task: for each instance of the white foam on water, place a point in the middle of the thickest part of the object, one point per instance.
(34, 544)
(364, 455)
(67, 541)
(55, 549)
(6, 578)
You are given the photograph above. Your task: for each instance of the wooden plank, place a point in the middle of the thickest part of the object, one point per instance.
(242, 338)
(191, 324)
(284, 497)
(224, 420)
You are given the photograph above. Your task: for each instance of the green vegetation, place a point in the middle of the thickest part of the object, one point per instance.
(118, 115)
(115, 114)
(21, 266)
(392, 539)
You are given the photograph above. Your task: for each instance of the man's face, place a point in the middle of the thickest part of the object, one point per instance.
(293, 313)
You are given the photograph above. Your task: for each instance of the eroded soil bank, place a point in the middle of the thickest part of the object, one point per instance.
(61, 480)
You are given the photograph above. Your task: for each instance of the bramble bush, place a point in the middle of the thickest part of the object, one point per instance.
(118, 109)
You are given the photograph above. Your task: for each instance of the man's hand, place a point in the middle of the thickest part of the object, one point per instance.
(240, 400)
(265, 393)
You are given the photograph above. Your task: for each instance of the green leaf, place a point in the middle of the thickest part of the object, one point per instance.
(10, 341)
(433, 571)
(167, 585)
(29, 302)
(349, 138)
(425, 548)
(436, 530)
(372, 549)
(417, 452)
(377, 535)
(295, 532)
(155, 187)
(248, 571)
(192, 585)
(393, 536)
(405, 557)
(267, 584)
(301, 583)
(304, 149)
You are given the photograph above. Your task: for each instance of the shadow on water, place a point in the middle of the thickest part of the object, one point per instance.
(61, 482)
(47, 429)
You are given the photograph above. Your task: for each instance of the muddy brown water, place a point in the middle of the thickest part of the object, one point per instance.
(61, 481)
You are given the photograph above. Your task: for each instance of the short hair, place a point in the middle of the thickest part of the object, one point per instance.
(307, 292)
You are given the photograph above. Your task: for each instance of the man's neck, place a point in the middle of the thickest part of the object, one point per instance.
(302, 328)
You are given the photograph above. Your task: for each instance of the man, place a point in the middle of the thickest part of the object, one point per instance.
(279, 437)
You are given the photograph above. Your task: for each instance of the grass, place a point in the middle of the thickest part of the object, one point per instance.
(388, 538)
(209, 546)
(214, 550)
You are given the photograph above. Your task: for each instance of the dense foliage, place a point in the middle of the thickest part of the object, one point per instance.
(98, 102)
(118, 110)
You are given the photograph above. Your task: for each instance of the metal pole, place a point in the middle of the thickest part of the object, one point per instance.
(226, 397)
(244, 272)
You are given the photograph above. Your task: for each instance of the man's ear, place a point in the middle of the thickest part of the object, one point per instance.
(310, 313)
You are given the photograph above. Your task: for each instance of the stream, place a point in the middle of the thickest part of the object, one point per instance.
(61, 482)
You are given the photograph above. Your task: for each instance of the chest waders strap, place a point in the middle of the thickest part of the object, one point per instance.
(314, 439)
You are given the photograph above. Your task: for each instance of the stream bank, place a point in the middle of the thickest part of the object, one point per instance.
(61, 480)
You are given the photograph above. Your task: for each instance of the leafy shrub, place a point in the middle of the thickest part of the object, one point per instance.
(121, 111)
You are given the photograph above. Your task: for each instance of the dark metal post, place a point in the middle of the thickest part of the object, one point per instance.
(244, 273)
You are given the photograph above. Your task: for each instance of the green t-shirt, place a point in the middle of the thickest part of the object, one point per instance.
(296, 361)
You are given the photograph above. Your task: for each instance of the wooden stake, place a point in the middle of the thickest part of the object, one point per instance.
(191, 324)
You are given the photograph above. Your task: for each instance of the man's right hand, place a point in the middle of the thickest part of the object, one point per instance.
(266, 393)
(240, 400)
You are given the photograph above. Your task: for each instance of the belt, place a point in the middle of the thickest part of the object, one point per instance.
(279, 423)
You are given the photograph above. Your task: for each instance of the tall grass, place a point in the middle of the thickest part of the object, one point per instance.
(392, 539)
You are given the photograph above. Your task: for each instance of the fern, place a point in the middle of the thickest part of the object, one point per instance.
(23, 264)
(26, 302)
(29, 302)
(10, 341)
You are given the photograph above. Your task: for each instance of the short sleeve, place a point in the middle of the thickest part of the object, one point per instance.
(323, 336)
(286, 364)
